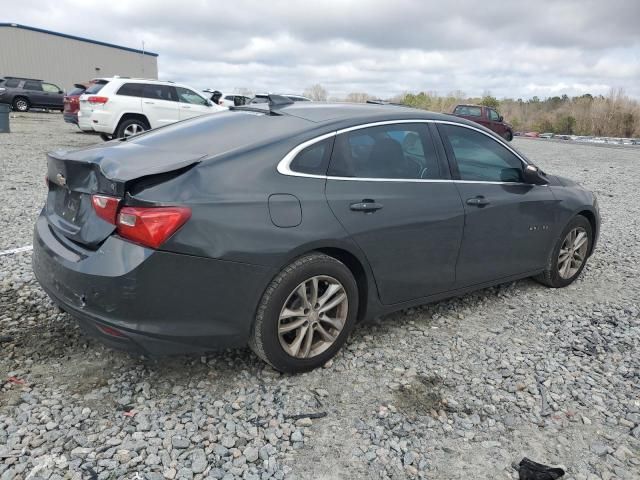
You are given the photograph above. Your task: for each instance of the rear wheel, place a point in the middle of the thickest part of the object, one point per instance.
(131, 126)
(306, 314)
(569, 255)
(21, 104)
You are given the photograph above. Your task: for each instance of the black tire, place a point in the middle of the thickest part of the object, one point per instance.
(106, 137)
(551, 276)
(265, 340)
(127, 124)
(21, 104)
(508, 136)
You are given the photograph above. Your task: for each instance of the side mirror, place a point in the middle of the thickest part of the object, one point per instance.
(501, 118)
(534, 175)
(60, 91)
(209, 103)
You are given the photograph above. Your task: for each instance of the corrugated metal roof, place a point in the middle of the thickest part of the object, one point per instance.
(73, 37)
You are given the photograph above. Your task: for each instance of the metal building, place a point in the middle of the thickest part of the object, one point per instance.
(64, 59)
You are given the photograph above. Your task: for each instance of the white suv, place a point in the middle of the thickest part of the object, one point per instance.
(119, 107)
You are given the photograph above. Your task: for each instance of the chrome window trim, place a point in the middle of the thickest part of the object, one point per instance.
(284, 166)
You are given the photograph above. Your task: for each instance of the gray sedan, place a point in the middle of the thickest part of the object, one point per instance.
(282, 225)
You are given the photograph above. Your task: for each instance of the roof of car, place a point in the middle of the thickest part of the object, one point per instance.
(321, 112)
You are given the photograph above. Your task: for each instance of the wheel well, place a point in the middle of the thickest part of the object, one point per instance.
(129, 116)
(592, 220)
(353, 264)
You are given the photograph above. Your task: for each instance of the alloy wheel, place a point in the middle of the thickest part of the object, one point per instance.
(133, 129)
(22, 105)
(313, 316)
(573, 252)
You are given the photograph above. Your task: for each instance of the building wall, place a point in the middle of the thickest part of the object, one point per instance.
(65, 61)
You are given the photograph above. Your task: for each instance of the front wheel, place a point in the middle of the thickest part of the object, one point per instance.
(569, 255)
(306, 314)
(508, 136)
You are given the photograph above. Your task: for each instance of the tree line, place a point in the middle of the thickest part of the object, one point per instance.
(612, 115)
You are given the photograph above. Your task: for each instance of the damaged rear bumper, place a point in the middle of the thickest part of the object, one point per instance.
(137, 299)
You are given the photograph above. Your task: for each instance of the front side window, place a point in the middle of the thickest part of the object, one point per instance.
(189, 96)
(396, 151)
(31, 85)
(50, 87)
(313, 159)
(493, 115)
(160, 92)
(480, 157)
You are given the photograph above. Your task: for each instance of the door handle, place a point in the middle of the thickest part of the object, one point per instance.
(478, 201)
(150, 103)
(367, 206)
(185, 107)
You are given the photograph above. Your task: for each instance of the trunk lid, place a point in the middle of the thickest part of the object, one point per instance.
(107, 170)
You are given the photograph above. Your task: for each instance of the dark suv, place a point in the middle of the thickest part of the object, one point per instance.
(25, 93)
(487, 117)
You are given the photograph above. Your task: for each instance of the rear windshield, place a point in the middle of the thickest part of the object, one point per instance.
(95, 88)
(76, 91)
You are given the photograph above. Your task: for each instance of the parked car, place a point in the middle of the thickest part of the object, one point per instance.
(71, 102)
(264, 98)
(283, 225)
(120, 107)
(487, 117)
(546, 135)
(25, 93)
(233, 100)
(531, 134)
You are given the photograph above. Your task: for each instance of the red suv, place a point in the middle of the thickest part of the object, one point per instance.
(487, 117)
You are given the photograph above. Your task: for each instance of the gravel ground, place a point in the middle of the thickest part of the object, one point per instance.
(459, 389)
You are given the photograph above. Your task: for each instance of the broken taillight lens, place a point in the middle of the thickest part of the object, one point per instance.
(150, 226)
(106, 207)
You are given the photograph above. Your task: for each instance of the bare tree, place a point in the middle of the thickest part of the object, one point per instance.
(316, 93)
(358, 97)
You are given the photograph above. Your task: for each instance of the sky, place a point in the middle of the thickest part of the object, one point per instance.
(512, 49)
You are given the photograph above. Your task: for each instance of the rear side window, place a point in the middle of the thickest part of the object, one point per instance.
(398, 151)
(12, 83)
(468, 110)
(313, 159)
(160, 92)
(480, 157)
(94, 88)
(131, 89)
(31, 85)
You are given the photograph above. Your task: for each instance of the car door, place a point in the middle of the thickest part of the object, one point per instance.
(192, 104)
(508, 222)
(160, 104)
(495, 123)
(392, 194)
(53, 94)
(33, 89)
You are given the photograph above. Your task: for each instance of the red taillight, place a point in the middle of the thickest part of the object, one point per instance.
(150, 226)
(95, 99)
(110, 331)
(106, 207)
